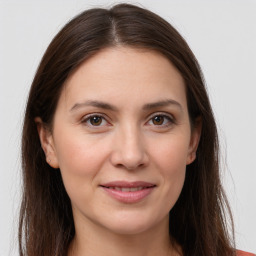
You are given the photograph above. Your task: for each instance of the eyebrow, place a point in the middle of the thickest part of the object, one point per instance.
(162, 103)
(94, 103)
(104, 105)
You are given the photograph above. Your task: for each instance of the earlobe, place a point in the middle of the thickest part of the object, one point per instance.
(191, 158)
(194, 140)
(47, 143)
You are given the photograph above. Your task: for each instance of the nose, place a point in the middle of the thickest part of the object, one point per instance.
(129, 150)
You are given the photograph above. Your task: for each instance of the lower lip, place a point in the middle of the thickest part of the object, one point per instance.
(129, 197)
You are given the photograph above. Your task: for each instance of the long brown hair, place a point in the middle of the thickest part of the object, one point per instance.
(198, 221)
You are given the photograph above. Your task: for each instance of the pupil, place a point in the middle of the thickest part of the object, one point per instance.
(96, 120)
(158, 120)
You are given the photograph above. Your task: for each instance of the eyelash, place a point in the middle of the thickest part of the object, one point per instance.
(87, 118)
(167, 118)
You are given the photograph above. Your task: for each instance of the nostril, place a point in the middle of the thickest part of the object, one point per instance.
(129, 167)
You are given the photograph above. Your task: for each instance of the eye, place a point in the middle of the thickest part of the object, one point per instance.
(158, 120)
(94, 120)
(161, 120)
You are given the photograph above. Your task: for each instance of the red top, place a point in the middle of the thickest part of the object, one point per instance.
(242, 253)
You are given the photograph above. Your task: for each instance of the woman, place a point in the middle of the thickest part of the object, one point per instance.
(120, 148)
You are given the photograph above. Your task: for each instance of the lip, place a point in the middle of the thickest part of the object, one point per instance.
(118, 190)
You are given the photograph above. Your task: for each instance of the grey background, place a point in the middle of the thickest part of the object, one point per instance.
(222, 35)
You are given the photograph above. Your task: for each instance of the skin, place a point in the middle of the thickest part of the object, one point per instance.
(134, 141)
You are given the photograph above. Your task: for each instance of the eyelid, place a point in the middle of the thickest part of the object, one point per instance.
(163, 114)
(87, 117)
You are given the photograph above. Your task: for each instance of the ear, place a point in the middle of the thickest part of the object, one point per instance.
(47, 143)
(194, 140)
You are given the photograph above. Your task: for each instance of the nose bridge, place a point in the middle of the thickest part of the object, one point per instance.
(129, 150)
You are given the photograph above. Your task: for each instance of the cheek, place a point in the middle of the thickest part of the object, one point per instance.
(80, 159)
(171, 154)
(74, 164)
(171, 162)
(77, 153)
(79, 162)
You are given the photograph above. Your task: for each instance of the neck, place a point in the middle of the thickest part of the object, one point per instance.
(92, 239)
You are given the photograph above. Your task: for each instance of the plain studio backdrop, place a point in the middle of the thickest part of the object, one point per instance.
(222, 35)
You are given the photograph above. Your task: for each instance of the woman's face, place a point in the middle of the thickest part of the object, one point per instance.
(122, 139)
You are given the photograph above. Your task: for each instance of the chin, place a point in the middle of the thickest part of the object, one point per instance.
(132, 225)
(127, 229)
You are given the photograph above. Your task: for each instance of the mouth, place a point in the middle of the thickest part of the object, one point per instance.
(128, 192)
(127, 189)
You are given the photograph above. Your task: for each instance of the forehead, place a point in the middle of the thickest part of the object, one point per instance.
(124, 72)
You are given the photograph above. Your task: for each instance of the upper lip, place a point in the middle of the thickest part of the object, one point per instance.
(127, 184)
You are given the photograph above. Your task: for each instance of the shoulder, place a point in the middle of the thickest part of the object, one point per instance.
(242, 253)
